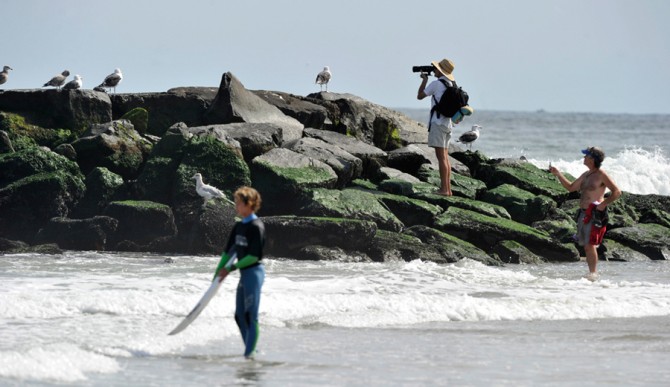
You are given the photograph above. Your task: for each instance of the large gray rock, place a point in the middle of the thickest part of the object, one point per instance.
(485, 232)
(373, 158)
(388, 246)
(310, 114)
(651, 240)
(374, 124)
(347, 166)
(185, 104)
(68, 109)
(349, 204)
(234, 103)
(287, 235)
(102, 186)
(254, 139)
(78, 234)
(523, 206)
(451, 248)
(140, 222)
(35, 186)
(282, 176)
(113, 145)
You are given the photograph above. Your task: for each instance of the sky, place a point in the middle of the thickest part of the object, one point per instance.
(610, 56)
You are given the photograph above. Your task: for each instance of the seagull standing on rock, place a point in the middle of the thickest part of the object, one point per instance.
(324, 77)
(207, 191)
(74, 84)
(470, 136)
(112, 80)
(4, 75)
(58, 80)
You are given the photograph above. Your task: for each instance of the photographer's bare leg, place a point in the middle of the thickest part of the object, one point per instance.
(445, 170)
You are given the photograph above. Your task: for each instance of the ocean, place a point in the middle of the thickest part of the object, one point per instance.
(102, 318)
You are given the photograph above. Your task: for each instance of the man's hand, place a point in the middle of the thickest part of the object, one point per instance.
(424, 76)
(222, 273)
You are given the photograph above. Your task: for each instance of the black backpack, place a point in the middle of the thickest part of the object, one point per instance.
(453, 99)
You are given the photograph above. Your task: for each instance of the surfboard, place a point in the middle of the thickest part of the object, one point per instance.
(199, 307)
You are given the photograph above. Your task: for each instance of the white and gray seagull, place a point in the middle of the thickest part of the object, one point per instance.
(58, 80)
(4, 75)
(112, 80)
(470, 136)
(323, 77)
(207, 191)
(74, 84)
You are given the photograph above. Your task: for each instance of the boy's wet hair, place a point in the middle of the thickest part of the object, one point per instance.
(249, 196)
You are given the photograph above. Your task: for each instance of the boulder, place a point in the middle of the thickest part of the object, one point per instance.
(611, 250)
(456, 165)
(323, 253)
(19, 134)
(35, 186)
(371, 156)
(308, 113)
(209, 231)
(464, 203)
(408, 210)
(282, 176)
(350, 204)
(652, 240)
(461, 185)
(234, 103)
(514, 252)
(485, 232)
(102, 187)
(78, 234)
(347, 166)
(286, 235)
(139, 117)
(451, 248)
(408, 159)
(187, 105)
(254, 139)
(140, 222)
(374, 124)
(113, 145)
(67, 109)
(388, 246)
(524, 175)
(386, 173)
(6, 145)
(523, 206)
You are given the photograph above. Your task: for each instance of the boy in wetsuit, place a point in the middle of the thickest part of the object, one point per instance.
(246, 243)
(592, 185)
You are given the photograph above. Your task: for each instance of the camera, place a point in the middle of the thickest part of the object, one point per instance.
(422, 69)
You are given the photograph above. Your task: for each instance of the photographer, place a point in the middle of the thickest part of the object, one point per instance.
(439, 127)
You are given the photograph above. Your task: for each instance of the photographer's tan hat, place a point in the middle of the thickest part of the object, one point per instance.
(446, 67)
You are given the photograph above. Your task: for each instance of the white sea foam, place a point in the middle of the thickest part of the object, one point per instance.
(634, 170)
(58, 362)
(65, 326)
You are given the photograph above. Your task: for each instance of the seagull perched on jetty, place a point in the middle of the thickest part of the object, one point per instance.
(207, 191)
(58, 80)
(4, 75)
(112, 80)
(470, 136)
(324, 77)
(74, 84)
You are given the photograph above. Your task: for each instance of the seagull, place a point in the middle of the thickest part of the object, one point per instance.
(4, 75)
(58, 80)
(207, 191)
(73, 84)
(112, 80)
(470, 136)
(323, 77)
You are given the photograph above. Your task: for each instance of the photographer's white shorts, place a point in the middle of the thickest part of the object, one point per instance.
(439, 136)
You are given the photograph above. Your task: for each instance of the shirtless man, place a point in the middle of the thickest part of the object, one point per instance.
(592, 185)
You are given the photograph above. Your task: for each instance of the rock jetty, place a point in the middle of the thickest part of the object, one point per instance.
(341, 179)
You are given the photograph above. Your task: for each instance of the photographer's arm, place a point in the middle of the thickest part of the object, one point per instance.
(421, 94)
